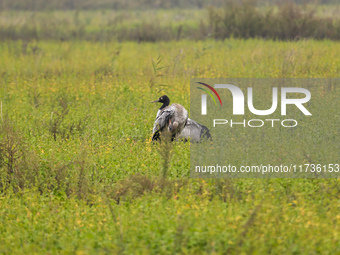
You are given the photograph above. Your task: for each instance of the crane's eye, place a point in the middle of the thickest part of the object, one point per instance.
(161, 98)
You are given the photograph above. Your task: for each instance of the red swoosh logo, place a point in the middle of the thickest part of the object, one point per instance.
(212, 89)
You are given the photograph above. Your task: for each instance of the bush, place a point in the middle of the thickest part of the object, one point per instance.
(290, 22)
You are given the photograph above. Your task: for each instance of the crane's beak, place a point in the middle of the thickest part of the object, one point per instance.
(155, 101)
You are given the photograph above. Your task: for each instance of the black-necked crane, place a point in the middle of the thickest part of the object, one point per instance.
(171, 118)
(194, 131)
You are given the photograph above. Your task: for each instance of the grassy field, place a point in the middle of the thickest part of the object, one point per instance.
(80, 175)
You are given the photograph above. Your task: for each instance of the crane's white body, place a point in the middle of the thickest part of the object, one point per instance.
(171, 118)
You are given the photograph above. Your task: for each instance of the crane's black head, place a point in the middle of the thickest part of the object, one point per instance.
(163, 99)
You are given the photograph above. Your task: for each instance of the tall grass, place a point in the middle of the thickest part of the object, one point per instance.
(38, 5)
(287, 21)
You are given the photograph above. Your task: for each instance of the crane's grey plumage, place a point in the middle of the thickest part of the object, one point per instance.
(194, 131)
(171, 118)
